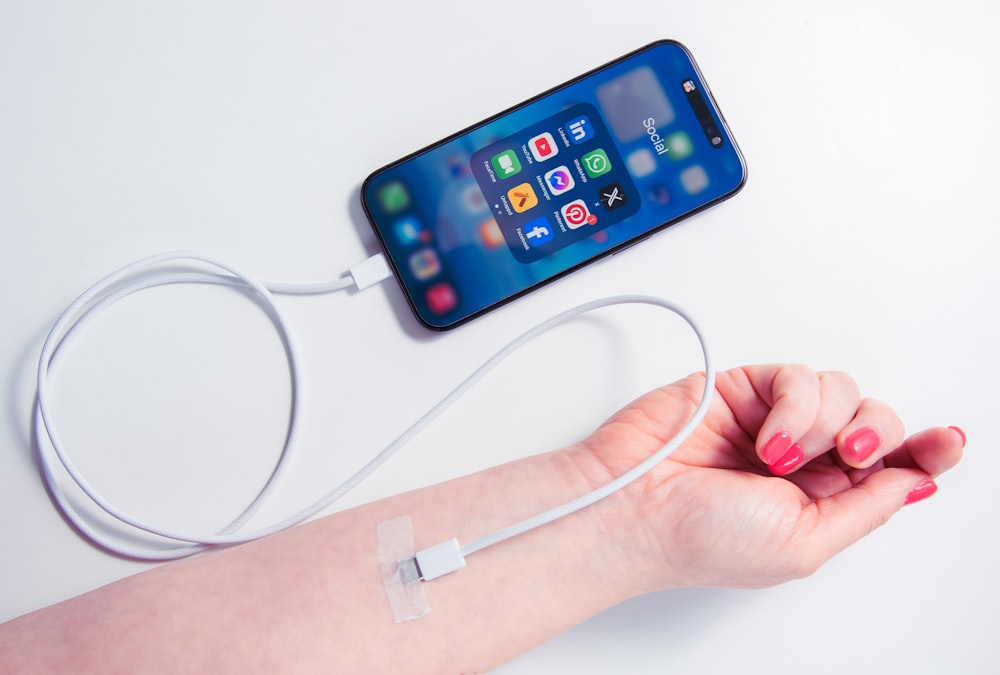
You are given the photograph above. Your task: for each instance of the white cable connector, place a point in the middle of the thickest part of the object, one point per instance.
(371, 272)
(440, 560)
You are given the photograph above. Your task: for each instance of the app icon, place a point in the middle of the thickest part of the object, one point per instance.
(537, 232)
(659, 195)
(458, 166)
(393, 196)
(613, 196)
(441, 298)
(424, 264)
(679, 146)
(522, 197)
(596, 163)
(410, 231)
(576, 214)
(559, 180)
(472, 199)
(580, 129)
(490, 234)
(505, 164)
(641, 163)
(637, 89)
(694, 179)
(543, 146)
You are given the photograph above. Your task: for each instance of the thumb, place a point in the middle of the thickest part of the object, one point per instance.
(848, 516)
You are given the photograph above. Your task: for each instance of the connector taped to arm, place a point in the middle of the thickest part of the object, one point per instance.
(439, 560)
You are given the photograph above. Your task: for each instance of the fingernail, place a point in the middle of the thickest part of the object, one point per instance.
(960, 433)
(776, 448)
(923, 490)
(788, 461)
(862, 443)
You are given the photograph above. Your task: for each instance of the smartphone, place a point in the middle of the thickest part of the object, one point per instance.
(570, 176)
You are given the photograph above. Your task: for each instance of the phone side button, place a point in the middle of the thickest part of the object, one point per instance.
(628, 246)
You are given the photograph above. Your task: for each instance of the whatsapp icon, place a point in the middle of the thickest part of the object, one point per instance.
(596, 163)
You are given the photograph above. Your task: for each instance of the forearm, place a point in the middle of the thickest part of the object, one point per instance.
(312, 598)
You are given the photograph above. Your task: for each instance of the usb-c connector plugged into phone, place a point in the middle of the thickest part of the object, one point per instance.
(370, 272)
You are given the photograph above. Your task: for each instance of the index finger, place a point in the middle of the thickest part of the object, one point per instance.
(932, 451)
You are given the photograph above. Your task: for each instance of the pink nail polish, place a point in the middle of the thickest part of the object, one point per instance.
(788, 461)
(923, 490)
(863, 443)
(960, 433)
(776, 448)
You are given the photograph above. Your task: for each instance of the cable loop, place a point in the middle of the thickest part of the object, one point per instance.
(143, 274)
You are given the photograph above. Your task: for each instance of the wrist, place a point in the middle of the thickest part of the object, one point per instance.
(619, 521)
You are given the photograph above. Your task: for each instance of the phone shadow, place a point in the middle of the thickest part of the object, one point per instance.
(401, 309)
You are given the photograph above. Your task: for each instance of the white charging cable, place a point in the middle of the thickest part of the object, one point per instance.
(153, 271)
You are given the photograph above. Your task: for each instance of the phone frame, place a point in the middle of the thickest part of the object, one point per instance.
(599, 256)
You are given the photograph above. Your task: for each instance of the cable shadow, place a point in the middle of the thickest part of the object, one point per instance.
(21, 424)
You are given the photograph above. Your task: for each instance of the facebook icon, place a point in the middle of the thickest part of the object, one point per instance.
(537, 232)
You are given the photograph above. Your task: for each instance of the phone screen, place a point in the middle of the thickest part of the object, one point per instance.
(579, 172)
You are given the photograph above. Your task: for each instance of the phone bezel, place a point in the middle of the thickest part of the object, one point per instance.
(599, 256)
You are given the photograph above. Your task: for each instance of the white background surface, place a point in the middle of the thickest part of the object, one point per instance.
(865, 240)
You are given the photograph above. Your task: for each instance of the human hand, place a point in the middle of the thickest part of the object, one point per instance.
(788, 468)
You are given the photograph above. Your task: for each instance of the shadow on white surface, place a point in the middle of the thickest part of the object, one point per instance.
(671, 623)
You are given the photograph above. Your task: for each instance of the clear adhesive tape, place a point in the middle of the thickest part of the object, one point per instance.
(399, 571)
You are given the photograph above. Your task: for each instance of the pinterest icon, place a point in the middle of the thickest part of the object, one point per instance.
(576, 214)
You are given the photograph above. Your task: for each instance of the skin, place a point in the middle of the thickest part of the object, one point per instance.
(713, 514)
